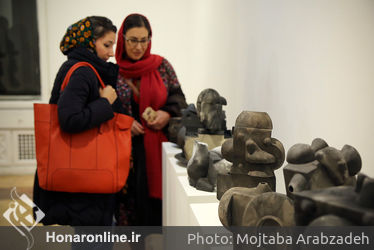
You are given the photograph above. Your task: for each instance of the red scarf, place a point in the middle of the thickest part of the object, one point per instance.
(153, 93)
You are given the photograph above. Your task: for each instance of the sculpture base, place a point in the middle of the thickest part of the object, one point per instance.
(213, 141)
(227, 181)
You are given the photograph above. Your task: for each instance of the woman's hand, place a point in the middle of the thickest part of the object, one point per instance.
(137, 128)
(109, 93)
(162, 118)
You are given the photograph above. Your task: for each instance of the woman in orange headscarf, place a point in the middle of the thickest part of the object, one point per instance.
(81, 106)
(145, 80)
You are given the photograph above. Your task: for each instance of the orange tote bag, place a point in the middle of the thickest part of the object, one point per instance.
(93, 161)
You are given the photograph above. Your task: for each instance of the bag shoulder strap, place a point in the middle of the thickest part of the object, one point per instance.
(74, 67)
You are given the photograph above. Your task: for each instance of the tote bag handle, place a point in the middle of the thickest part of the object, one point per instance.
(74, 67)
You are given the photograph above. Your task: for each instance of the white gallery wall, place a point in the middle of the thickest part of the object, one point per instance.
(309, 64)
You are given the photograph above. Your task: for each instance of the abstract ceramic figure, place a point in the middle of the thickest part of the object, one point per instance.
(205, 123)
(255, 207)
(209, 109)
(204, 165)
(337, 206)
(219, 165)
(191, 120)
(175, 123)
(181, 135)
(187, 133)
(254, 153)
(365, 189)
(197, 167)
(318, 166)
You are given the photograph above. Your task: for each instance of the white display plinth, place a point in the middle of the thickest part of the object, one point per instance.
(205, 214)
(170, 148)
(170, 171)
(184, 205)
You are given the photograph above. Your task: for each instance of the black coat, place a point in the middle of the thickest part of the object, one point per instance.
(80, 107)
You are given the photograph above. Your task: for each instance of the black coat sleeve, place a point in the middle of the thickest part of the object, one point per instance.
(80, 106)
(175, 101)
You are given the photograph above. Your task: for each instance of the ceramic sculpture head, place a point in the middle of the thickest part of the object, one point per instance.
(252, 146)
(209, 109)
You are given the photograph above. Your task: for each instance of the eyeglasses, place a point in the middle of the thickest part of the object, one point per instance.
(133, 42)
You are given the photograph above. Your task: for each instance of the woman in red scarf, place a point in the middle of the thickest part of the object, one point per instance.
(145, 80)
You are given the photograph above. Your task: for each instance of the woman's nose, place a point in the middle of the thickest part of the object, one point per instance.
(111, 52)
(138, 45)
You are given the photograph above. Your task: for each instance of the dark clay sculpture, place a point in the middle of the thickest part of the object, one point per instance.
(219, 165)
(337, 206)
(206, 123)
(209, 109)
(197, 167)
(254, 153)
(187, 133)
(191, 120)
(255, 207)
(203, 166)
(175, 123)
(317, 166)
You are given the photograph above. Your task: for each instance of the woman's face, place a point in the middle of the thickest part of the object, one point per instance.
(104, 45)
(136, 42)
